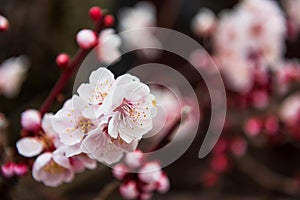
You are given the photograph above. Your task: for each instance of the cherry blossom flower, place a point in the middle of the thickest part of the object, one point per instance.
(70, 123)
(101, 146)
(12, 75)
(204, 22)
(101, 83)
(133, 107)
(142, 15)
(150, 177)
(33, 146)
(52, 169)
(255, 31)
(108, 47)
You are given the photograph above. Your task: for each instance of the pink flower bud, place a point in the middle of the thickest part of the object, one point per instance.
(129, 190)
(252, 127)
(150, 172)
(210, 179)
(86, 39)
(271, 125)
(163, 184)
(62, 60)
(146, 196)
(220, 147)
(8, 170)
(134, 159)
(119, 171)
(238, 146)
(109, 20)
(95, 13)
(20, 169)
(31, 120)
(260, 99)
(219, 163)
(4, 24)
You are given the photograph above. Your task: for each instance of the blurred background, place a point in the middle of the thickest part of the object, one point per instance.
(42, 29)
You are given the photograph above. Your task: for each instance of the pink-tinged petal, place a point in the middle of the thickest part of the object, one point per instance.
(127, 138)
(86, 92)
(29, 147)
(53, 180)
(42, 160)
(112, 130)
(100, 147)
(126, 78)
(64, 122)
(120, 171)
(77, 165)
(69, 176)
(47, 125)
(129, 190)
(101, 75)
(150, 172)
(87, 162)
(163, 184)
(61, 160)
(126, 147)
(93, 112)
(110, 156)
(72, 150)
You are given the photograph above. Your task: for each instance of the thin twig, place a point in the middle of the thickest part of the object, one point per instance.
(69, 71)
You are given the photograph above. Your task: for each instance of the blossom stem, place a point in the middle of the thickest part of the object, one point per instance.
(69, 71)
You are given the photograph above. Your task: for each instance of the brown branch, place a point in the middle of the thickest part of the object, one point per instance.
(69, 71)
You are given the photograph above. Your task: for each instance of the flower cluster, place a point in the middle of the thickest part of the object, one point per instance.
(255, 31)
(143, 14)
(149, 177)
(248, 47)
(108, 118)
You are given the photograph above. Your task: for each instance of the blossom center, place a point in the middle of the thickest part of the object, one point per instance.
(53, 168)
(85, 125)
(127, 108)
